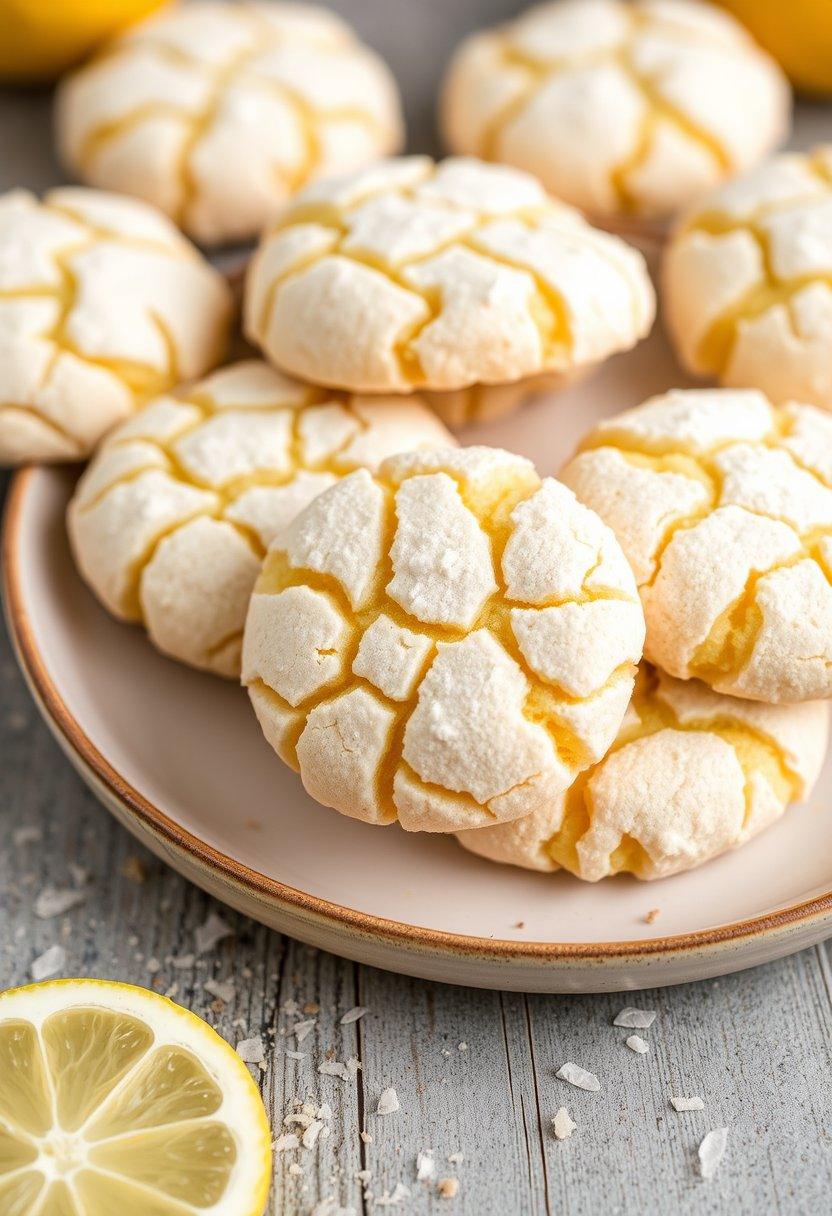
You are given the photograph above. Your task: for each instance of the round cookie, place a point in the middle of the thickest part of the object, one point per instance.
(748, 281)
(623, 109)
(691, 775)
(723, 505)
(102, 303)
(447, 643)
(170, 522)
(413, 275)
(218, 113)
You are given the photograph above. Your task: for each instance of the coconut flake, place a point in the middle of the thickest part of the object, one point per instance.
(456, 1158)
(47, 964)
(392, 1198)
(312, 1132)
(425, 1165)
(251, 1051)
(53, 901)
(578, 1077)
(286, 1142)
(353, 1015)
(183, 962)
(687, 1103)
(637, 1044)
(302, 1029)
(26, 835)
(223, 990)
(213, 931)
(388, 1102)
(562, 1124)
(635, 1019)
(712, 1150)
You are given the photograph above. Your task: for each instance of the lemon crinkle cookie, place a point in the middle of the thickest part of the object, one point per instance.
(218, 113)
(621, 109)
(723, 505)
(748, 281)
(691, 775)
(413, 275)
(170, 522)
(447, 643)
(102, 302)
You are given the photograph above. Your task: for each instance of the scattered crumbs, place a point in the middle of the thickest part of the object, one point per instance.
(363, 1176)
(213, 931)
(562, 1124)
(286, 1142)
(712, 1150)
(366, 1137)
(652, 915)
(456, 1158)
(425, 1165)
(388, 1102)
(578, 1077)
(183, 962)
(447, 1188)
(687, 1103)
(392, 1198)
(635, 1019)
(335, 1068)
(251, 1051)
(53, 901)
(295, 1055)
(26, 835)
(462, 1046)
(134, 869)
(153, 966)
(223, 990)
(637, 1044)
(302, 1029)
(47, 964)
(353, 1015)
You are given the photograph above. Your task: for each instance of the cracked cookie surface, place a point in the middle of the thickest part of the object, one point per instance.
(691, 775)
(621, 109)
(415, 275)
(170, 522)
(102, 304)
(747, 281)
(447, 643)
(219, 113)
(723, 505)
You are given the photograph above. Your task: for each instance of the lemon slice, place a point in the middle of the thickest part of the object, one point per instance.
(116, 1102)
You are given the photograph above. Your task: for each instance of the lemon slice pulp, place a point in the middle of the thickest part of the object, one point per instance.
(116, 1102)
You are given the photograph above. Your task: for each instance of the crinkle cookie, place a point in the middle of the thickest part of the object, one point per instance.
(691, 775)
(170, 522)
(102, 303)
(624, 110)
(748, 281)
(447, 643)
(418, 275)
(218, 113)
(723, 505)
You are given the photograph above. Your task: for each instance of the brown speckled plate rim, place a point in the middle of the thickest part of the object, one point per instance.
(273, 892)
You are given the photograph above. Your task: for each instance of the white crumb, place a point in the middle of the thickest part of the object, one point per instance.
(223, 990)
(578, 1077)
(388, 1102)
(54, 901)
(251, 1051)
(353, 1015)
(637, 1044)
(687, 1103)
(301, 1029)
(456, 1158)
(26, 835)
(712, 1150)
(295, 1055)
(286, 1142)
(153, 966)
(183, 962)
(392, 1198)
(80, 874)
(635, 1019)
(562, 1124)
(208, 935)
(48, 964)
(312, 1132)
(366, 1137)
(425, 1165)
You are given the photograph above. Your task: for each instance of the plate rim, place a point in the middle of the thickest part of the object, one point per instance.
(156, 820)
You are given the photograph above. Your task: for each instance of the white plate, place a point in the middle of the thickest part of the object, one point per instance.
(179, 758)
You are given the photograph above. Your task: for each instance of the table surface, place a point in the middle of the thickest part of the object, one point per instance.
(474, 1071)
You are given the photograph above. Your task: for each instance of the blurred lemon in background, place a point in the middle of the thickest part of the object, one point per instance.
(39, 39)
(798, 33)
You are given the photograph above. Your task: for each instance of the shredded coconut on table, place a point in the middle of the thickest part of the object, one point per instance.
(286, 1142)
(425, 1165)
(335, 1068)
(55, 902)
(209, 934)
(223, 990)
(251, 1051)
(637, 1044)
(388, 1103)
(48, 964)
(687, 1103)
(392, 1198)
(578, 1077)
(635, 1019)
(562, 1124)
(352, 1015)
(712, 1150)
(301, 1029)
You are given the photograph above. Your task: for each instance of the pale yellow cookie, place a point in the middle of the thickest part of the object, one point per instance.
(723, 505)
(413, 275)
(447, 643)
(218, 113)
(748, 281)
(691, 775)
(170, 522)
(623, 109)
(102, 303)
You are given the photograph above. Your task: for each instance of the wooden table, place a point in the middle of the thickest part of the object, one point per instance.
(474, 1071)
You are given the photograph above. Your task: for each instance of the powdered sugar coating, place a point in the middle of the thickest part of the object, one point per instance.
(437, 670)
(102, 302)
(415, 275)
(170, 521)
(219, 113)
(691, 775)
(723, 505)
(748, 281)
(622, 109)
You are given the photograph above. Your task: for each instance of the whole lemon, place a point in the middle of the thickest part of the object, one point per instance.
(39, 39)
(797, 33)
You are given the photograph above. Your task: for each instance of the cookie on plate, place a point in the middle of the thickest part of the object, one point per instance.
(447, 643)
(747, 281)
(627, 110)
(691, 775)
(218, 113)
(102, 304)
(170, 522)
(723, 505)
(416, 275)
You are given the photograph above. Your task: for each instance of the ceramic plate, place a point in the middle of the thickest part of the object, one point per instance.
(178, 757)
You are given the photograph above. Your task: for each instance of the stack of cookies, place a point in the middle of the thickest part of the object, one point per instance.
(623, 670)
